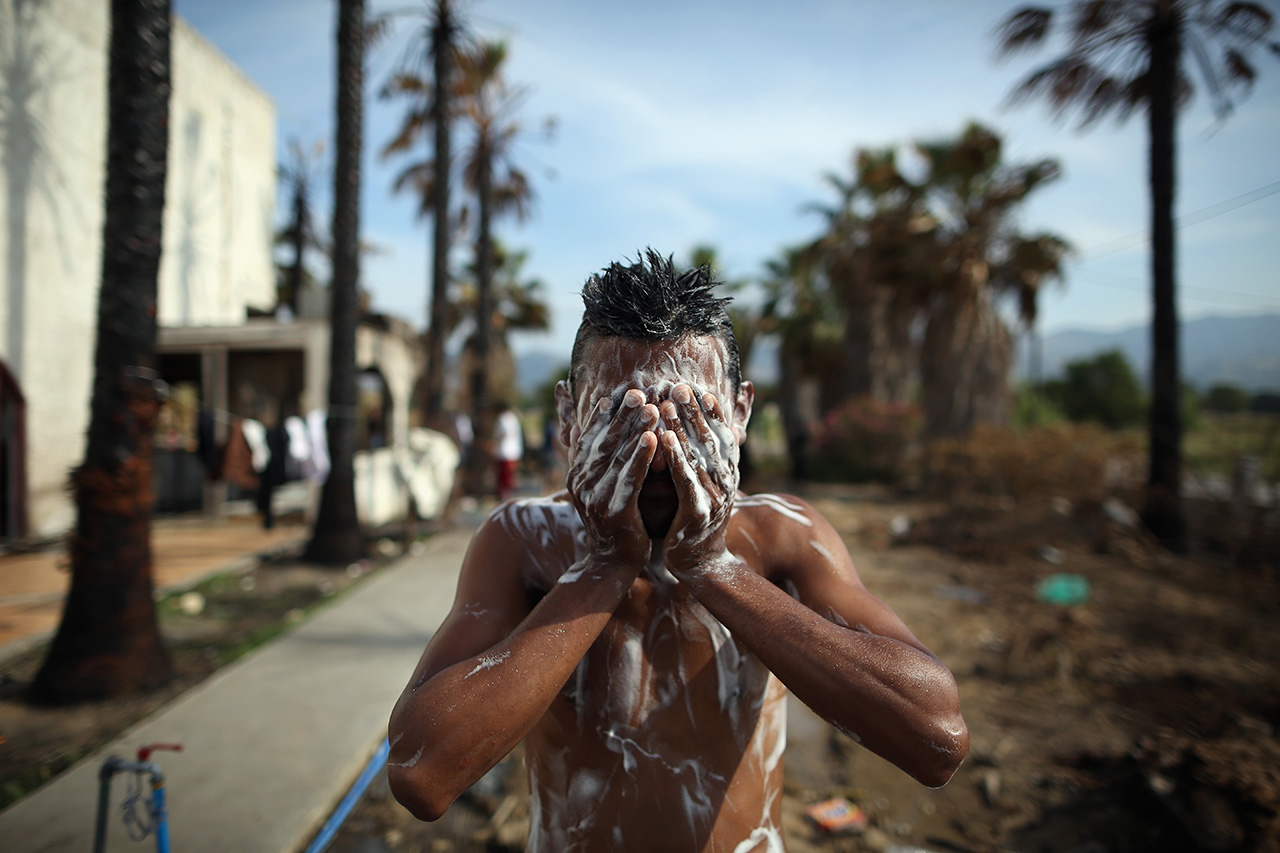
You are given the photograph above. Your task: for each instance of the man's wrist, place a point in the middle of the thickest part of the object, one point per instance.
(707, 564)
(600, 567)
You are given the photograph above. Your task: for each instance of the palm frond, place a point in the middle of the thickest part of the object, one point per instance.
(1249, 22)
(415, 124)
(1024, 29)
(1091, 19)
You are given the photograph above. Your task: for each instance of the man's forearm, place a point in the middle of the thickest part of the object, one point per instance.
(449, 730)
(895, 699)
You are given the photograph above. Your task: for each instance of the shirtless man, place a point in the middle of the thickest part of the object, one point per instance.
(636, 630)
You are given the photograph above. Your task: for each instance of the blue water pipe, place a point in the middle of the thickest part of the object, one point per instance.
(340, 814)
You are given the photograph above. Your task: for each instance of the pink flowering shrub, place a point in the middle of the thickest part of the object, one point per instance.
(863, 440)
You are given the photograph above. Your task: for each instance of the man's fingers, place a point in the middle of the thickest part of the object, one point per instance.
(693, 414)
(688, 476)
(609, 432)
(675, 426)
(626, 490)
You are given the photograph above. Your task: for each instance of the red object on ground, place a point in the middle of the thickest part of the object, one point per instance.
(838, 815)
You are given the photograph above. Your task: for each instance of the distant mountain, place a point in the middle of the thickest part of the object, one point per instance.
(1243, 351)
(535, 368)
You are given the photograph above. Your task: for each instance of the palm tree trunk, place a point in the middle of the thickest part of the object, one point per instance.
(863, 309)
(1162, 512)
(946, 368)
(442, 36)
(480, 409)
(336, 539)
(900, 358)
(964, 367)
(108, 643)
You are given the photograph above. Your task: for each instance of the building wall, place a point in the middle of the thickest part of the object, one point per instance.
(221, 190)
(397, 354)
(220, 194)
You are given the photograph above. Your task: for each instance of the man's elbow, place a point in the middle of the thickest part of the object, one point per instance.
(947, 745)
(414, 791)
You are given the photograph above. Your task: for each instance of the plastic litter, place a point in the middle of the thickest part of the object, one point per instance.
(1050, 554)
(1119, 513)
(838, 815)
(1064, 590)
(191, 603)
(962, 593)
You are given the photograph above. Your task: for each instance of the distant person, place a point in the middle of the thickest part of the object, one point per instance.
(639, 630)
(465, 436)
(550, 454)
(508, 449)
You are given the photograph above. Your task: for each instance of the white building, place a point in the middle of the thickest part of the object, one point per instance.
(216, 269)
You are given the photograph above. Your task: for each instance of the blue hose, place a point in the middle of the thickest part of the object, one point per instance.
(335, 821)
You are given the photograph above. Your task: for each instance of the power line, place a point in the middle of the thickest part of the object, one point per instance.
(1189, 292)
(1129, 241)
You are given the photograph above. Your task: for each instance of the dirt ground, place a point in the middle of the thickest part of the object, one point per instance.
(1144, 719)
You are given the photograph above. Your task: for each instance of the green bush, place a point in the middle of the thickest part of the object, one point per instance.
(1223, 399)
(1102, 390)
(864, 440)
(1034, 408)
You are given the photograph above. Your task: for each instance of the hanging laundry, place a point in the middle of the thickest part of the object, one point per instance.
(299, 439)
(316, 468)
(237, 458)
(256, 434)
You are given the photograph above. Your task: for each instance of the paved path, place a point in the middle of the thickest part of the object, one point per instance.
(184, 552)
(274, 740)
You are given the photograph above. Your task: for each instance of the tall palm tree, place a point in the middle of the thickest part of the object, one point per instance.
(873, 249)
(801, 311)
(297, 177)
(108, 642)
(427, 78)
(966, 352)
(746, 319)
(489, 106)
(517, 305)
(1125, 55)
(336, 538)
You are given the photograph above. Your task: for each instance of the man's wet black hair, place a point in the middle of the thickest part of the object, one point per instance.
(653, 303)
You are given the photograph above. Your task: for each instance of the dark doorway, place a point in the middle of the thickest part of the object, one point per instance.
(13, 457)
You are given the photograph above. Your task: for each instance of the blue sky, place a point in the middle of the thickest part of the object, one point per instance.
(682, 123)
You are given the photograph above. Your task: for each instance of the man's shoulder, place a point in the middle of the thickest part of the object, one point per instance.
(774, 510)
(543, 520)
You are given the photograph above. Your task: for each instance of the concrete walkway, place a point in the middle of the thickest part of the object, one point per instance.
(273, 741)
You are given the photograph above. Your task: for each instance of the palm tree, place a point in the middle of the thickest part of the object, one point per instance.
(517, 305)
(979, 257)
(336, 537)
(108, 642)
(489, 106)
(876, 239)
(1124, 55)
(801, 311)
(297, 176)
(427, 78)
(747, 320)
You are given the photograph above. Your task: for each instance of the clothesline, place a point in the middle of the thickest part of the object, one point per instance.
(165, 390)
